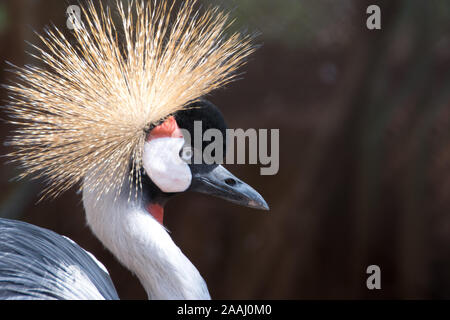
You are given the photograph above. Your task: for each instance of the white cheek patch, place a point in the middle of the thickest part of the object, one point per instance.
(163, 164)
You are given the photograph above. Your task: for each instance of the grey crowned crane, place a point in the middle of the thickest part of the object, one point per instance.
(109, 115)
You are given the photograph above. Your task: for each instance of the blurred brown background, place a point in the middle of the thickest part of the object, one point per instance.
(364, 119)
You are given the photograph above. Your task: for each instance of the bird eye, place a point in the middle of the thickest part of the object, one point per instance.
(186, 154)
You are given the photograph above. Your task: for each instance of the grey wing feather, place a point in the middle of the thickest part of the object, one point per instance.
(36, 263)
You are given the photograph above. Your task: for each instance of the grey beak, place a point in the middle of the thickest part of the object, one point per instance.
(221, 183)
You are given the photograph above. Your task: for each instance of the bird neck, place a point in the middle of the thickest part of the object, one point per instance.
(141, 243)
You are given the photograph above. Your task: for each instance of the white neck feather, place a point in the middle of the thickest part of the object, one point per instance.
(143, 245)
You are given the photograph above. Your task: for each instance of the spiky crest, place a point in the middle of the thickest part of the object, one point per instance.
(87, 110)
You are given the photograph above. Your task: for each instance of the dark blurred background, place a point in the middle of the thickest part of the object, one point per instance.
(364, 119)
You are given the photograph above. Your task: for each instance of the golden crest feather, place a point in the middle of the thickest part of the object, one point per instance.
(87, 110)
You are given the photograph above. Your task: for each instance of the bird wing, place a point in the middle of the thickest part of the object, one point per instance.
(36, 263)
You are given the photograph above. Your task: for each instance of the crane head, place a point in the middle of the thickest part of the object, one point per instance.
(173, 163)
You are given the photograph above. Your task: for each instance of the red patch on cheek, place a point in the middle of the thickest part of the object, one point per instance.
(157, 211)
(168, 129)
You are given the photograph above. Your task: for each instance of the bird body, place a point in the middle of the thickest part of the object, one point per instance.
(36, 263)
(109, 117)
(126, 228)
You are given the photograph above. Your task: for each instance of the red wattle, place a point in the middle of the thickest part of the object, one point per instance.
(157, 211)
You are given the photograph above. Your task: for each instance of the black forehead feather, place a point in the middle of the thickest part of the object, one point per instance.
(203, 111)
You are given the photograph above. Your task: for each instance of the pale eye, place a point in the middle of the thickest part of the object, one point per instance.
(186, 154)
